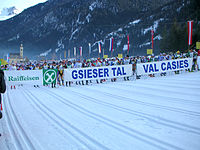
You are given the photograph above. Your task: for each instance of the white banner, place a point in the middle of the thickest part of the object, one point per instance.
(91, 73)
(198, 62)
(15, 77)
(164, 66)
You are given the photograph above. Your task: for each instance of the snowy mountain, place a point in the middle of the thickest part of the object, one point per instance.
(61, 25)
(7, 13)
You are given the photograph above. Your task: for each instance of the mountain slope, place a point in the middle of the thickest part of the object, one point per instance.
(61, 25)
(7, 13)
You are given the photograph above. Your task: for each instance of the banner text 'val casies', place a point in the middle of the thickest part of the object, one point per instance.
(164, 66)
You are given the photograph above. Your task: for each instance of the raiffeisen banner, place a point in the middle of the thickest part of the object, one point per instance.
(164, 66)
(15, 77)
(91, 73)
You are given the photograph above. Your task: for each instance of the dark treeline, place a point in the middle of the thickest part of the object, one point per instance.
(175, 37)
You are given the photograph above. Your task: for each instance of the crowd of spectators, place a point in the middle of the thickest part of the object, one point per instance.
(97, 62)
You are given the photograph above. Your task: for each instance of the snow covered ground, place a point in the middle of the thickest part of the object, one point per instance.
(147, 114)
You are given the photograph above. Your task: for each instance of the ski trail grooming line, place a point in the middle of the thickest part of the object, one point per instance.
(152, 118)
(24, 143)
(124, 129)
(12, 126)
(161, 85)
(194, 82)
(174, 98)
(150, 104)
(172, 84)
(174, 79)
(53, 116)
(152, 89)
(53, 120)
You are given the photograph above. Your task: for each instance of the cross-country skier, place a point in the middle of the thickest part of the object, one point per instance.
(126, 62)
(69, 65)
(54, 66)
(60, 75)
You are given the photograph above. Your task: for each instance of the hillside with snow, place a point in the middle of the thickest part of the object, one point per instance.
(7, 13)
(147, 114)
(60, 25)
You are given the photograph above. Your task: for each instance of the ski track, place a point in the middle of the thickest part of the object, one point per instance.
(52, 120)
(12, 129)
(149, 104)
(172, 84)
(161, 96)
(172, 99)
(24, 140)
(146, 85)
(152, 118)
(131, 132)
(53, 116)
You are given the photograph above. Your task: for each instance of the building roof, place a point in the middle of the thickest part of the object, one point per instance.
(15, 55)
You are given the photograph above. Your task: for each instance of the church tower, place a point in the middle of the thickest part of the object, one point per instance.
(21, 51)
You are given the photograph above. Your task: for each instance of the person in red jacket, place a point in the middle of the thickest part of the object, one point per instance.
(198, 52)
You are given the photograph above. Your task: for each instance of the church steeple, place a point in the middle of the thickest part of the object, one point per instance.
(21, 51)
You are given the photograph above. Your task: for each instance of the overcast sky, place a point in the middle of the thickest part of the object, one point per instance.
(19, 4)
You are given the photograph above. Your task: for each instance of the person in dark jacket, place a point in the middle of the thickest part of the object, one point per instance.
(2, 87)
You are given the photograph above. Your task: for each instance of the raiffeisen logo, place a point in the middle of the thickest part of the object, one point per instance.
(22, 78)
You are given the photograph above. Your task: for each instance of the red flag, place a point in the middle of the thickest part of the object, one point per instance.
(152, 36)
(80, 51)
(128, 42)
(90, 49)
(111, 44)
(99, 44)
(190, 27)
(74, 51)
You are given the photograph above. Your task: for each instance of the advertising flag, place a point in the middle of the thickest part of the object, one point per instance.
(74, 51)
(99, 45)
(8, 57)
(81, 50)
(152, 36)
(65, 54)
(190, 28)
(111, 44)
(68, 53)
(128, 42)
(90, 49)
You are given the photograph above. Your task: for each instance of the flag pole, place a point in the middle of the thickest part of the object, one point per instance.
(190, 28)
